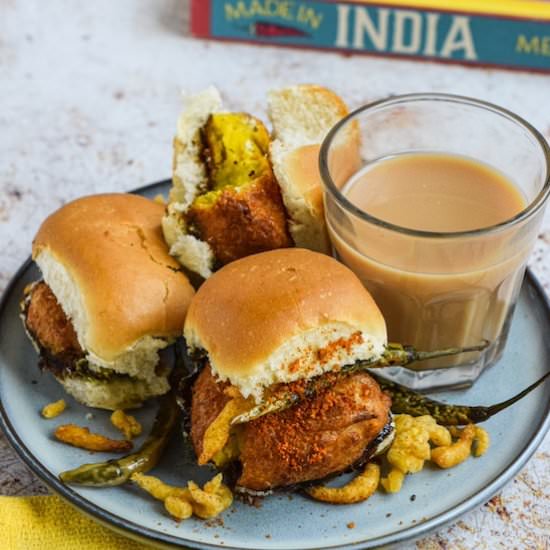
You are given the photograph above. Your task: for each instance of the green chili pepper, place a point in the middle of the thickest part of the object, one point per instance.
(393, 355)
(405, 401)
(401, 356)
(115, 472)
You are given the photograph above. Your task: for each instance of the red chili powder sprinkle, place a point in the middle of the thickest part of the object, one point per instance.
(324, 355)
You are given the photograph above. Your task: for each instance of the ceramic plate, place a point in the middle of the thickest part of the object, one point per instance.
(428, 499)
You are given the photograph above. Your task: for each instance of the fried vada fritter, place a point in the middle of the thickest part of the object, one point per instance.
(242, 220)
(48, 323)
(318, 437)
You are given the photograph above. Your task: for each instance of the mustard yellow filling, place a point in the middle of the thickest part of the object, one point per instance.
(237, 145)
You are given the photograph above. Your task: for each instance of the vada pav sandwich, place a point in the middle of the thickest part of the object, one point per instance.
(237, 190)
(111, 300)
(264, 327)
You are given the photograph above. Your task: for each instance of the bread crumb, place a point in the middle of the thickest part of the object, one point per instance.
(126, 423)
(351, 525)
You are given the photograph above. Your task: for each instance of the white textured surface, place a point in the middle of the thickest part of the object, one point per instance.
(89, 98)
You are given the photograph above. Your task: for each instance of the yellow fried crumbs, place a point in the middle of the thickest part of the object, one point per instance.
(126, 423)
(411, 447)
(54, 409)
(357, 490)
(417, 440)
(218, 432)
(83, 438)
(182, 502)
(482, 441)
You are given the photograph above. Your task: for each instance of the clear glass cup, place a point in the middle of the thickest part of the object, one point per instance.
(428, 299)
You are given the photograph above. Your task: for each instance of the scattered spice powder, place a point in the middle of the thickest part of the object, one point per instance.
(325, 355)
(294, 366)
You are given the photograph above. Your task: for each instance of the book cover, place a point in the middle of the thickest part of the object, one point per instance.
(511, 34)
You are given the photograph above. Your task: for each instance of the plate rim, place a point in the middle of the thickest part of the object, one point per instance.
(134, 530)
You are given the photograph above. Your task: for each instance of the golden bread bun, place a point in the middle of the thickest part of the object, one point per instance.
(302, 116)
(283, 315)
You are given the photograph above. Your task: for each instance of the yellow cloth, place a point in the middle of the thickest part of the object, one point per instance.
(47, 522)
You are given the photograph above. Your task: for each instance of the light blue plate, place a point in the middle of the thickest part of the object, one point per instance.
(282, 521)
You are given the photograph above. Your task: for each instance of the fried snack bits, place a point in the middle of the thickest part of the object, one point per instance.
(411, 447)
(450, 455)
(80, 437)
(182, 502)
(126, 423)
(217, 434)
(53, 410)
(357, 490)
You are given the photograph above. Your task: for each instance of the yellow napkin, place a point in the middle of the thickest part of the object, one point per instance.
(47, 522)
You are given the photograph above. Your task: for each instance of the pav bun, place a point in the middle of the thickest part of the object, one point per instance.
(302, 116)
(283, 315)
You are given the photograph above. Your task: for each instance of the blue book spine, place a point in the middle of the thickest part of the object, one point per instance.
(380, 30)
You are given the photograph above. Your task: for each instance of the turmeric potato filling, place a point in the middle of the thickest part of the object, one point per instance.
(236, 148)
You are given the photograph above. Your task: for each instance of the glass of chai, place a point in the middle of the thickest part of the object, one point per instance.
(434, 201)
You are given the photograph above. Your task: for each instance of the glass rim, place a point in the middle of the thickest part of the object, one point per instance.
(532, 208)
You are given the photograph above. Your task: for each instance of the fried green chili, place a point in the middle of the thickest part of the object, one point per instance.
(405, 401)
(400, 356)
(115, 472)
(393, 355)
